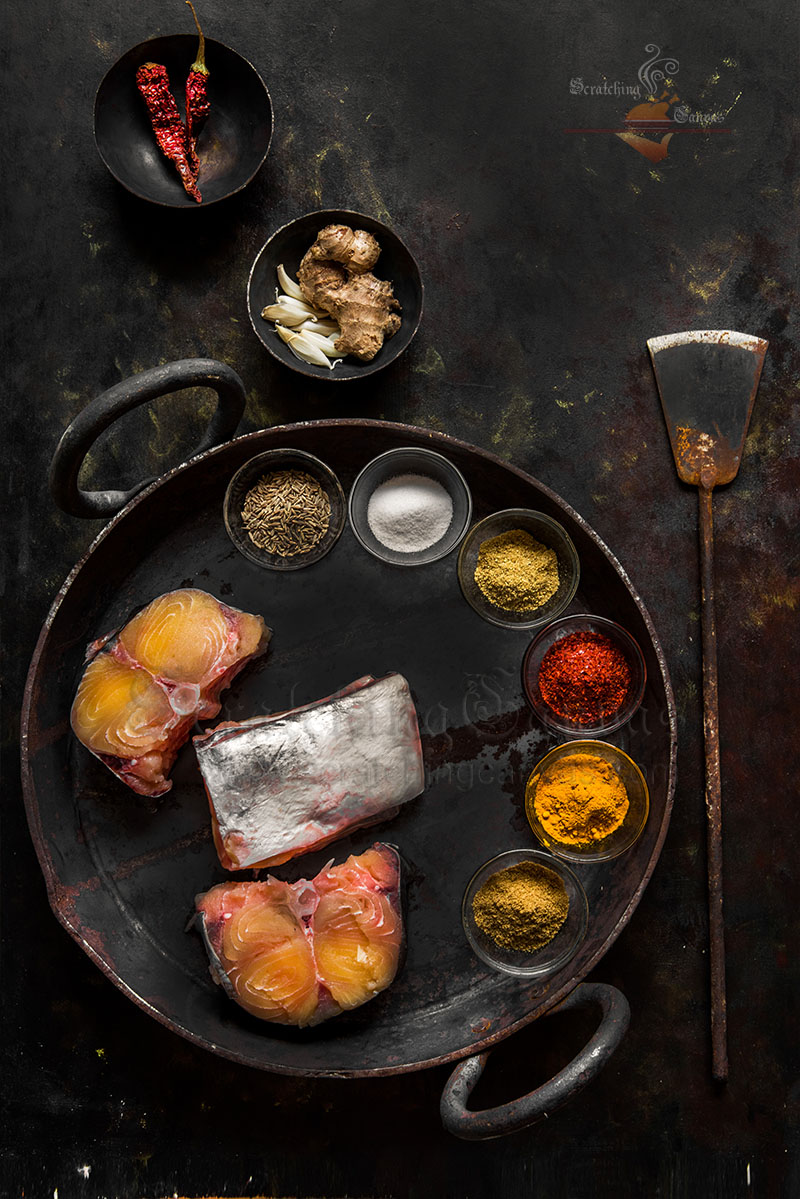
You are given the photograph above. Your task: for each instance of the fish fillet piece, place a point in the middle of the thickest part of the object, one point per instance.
(294, 781)
(146, 685)
(299, 953)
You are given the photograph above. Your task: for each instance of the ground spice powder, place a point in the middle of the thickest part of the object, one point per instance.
(516, 572)
(584, 677)
(521, 907)
(580, 799)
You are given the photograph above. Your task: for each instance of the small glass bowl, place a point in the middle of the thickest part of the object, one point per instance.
(543, 529)
(635, 818)
(550, 957)
(583, 623)
(249, 474)
(410, 460)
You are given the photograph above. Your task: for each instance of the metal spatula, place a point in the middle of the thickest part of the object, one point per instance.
(707, 381)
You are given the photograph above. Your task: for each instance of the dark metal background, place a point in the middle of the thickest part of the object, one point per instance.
(548, 259)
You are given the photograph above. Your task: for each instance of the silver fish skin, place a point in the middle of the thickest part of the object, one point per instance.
(285, 784)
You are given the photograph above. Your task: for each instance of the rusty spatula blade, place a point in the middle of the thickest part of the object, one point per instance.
(707, 380)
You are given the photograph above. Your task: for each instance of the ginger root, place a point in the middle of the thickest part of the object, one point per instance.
(335, 276)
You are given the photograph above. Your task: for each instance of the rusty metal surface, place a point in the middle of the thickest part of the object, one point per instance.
(707, 380)
(121, 873)
(472, 1125)
(548, 259)
(713, 792)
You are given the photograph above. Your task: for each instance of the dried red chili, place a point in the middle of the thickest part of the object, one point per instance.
(584, 677)
(197, 103)
(153, 82)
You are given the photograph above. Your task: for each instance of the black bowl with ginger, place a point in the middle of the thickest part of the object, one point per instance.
(288, 246)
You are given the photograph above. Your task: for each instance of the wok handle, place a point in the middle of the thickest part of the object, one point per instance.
(123, 397)
(514, 1116)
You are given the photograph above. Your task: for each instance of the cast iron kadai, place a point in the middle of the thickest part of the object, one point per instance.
(707, 380)
(114, 865)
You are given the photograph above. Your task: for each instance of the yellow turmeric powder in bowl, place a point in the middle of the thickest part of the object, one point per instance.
(587, 800)
(580, 799)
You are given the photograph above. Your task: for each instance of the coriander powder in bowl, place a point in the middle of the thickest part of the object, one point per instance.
(525, 913)
(518, 568)
(284, 509)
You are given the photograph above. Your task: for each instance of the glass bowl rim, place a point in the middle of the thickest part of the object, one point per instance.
(542, 856)
(542, 710)
(426, 453)
(264, 460)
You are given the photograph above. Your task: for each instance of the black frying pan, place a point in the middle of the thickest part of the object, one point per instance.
(122, 870)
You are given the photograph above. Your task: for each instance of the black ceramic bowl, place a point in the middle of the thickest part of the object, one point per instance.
(287, 246)
(231, 147)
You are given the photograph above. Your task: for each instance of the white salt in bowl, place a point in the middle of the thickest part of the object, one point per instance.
(410, 460)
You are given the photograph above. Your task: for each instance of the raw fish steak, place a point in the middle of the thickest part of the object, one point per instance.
(146, 685)
(299, 953)
(285, 784)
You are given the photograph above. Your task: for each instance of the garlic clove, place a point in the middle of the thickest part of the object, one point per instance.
(302, 347)
(283, 315)
(324, 328)
(296, 305)
(324, 343)
(289, 286)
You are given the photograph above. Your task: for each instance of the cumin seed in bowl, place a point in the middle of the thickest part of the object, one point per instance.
(284, 509)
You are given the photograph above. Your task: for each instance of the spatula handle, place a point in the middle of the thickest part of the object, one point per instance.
(719, 1029)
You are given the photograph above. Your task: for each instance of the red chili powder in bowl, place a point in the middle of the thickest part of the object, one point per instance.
(584, 677)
